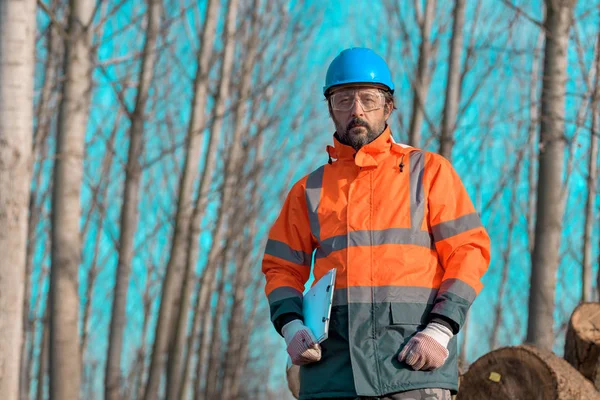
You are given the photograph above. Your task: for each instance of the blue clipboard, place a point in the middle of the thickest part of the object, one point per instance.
(316, 306)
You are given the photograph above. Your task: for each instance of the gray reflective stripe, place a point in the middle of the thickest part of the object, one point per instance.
(281, 250)
(340, 297)
(458, 288)
(282, 293)
(332, 244)
(383, 294)
(445, 230)
(314, 186)
(417, 196)
(390, 236)
(386, 236)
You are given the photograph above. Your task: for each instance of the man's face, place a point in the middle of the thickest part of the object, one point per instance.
(359, 114)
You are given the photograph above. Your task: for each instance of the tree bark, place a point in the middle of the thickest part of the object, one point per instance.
(17, 46)
(422, 78)
(582, 344)
(129, 211)
(592, 182)
(524, 372)
(173, 277)
(65, 371)
(453, 84)
(548, 228)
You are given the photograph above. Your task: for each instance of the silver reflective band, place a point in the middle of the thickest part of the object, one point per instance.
(369, 99)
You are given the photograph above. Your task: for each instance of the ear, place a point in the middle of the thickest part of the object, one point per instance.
(387, 110)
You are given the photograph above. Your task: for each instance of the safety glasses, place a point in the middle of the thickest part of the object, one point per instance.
(369, 99)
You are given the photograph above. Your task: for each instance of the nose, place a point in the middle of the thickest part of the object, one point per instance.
(357, 110)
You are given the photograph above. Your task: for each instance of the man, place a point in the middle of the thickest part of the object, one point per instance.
(407, 243)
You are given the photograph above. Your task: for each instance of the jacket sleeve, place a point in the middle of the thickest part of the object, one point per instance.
(461, 241)
(288, 257)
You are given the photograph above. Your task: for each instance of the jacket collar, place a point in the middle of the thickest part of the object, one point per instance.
(371, 154)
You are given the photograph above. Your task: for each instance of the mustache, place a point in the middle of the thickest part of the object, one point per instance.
(357, 122)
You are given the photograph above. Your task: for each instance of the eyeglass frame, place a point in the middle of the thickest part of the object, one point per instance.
(379, 92)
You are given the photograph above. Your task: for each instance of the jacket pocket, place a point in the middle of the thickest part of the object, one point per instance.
(410, 313)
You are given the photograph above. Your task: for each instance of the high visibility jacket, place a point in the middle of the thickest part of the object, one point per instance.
(408, 245)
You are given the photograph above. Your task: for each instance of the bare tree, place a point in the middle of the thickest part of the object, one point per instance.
(592, 182)
(17, 44)
(423, 74)
(208, 275)
(39, 196)
(534, 118)
(129, 211)
(173, 278)
(545, 259)
(66, 207)
(453, 83)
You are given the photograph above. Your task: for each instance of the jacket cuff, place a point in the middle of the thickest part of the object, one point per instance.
(283, 319)
(445, 321)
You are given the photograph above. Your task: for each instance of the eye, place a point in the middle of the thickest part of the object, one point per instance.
(368, 97)
(344, 100)
(369, 101)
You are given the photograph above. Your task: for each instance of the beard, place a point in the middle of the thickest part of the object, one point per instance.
(357, 133)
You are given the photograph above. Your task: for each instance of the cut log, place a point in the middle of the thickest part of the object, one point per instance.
(582, 345)
(524, 373)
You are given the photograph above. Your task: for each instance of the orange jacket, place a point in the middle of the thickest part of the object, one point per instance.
(398, 225)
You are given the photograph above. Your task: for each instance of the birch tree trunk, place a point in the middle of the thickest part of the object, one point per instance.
(548, 227)
(173, 277)
(17, 44)
(65, 369)
(129, 212)
(453, 83)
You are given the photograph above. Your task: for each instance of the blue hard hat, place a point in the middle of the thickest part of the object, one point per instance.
(358, 65)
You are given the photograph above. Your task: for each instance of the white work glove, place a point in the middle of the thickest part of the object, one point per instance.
(301, 344)
(428, 349)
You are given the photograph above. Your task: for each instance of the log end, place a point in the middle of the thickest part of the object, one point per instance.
(523, 373)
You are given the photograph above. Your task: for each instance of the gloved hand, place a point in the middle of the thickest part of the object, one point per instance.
(427, 350)
(301, 344)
